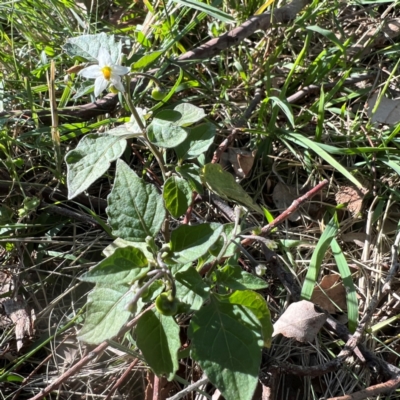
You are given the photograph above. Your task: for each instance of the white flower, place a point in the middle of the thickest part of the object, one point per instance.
(105, 73)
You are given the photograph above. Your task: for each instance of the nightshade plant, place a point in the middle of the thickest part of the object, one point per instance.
(229, 321)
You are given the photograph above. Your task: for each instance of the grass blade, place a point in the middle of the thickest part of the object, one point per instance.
(309, 144)
(318, 256)
(351, 296)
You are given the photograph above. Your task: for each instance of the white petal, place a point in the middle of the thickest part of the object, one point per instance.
(91, 72)
(104, 58)
(99, 85)
(120, 70)
(116, 81)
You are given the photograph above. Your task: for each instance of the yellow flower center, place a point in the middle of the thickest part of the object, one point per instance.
(106, 72)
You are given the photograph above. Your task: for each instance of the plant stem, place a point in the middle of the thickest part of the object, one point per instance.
(150, 145)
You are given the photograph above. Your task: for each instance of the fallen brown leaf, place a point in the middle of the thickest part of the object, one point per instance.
(351, 196)
(300, 321)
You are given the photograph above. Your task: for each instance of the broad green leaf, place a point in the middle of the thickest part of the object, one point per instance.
(168, 116)
(223, 184)
(90, 160)
(189, 242)
(117, 243)
(106, 312)
(84, 88)
(191, 289)
(135, 209)
(351, 292)
(88, 46)
(146, 60)
(318, 256)
(177, 196)
(198, 141)
(258, 306)
(131, 129)
(190, 114)
(227, 344)
(125, 265)
(235, 278)
(165, 132)
(206, 8)
(191, 173)
(310, 144)
(157, 336)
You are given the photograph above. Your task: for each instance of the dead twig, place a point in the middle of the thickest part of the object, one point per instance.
(290, 210)
(257, 22)
(372, 391)
(122, 379)
(306, 90)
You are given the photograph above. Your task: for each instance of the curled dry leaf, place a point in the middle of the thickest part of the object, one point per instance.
(300, 321)
(388, 111)
(283, 197)
(330, 292)
(351, 196)
(16, 310)
(240, 160)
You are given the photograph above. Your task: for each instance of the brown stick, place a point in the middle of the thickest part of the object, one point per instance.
(372, 391)
(122, 379)
(255, 23)
(285, 215)
(224, 145)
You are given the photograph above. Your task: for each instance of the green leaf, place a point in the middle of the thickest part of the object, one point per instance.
(177, 195)
(198, 141)
(191, 289)
(258, 306)
(146, 60)
(285, 107)
(188, 242)
(351, 292)
(90, 160)
(164, 131)
(190, 114)
(226, 342)
(157, 336)
(135, 209)
(206, 8)
(106, 312)
(117, 243)
(191, 173)
(125, 265)
(317, 148)
(235, 278)
(88, 46)
(131, 129)
(328, 34)
(223, 184)
(316, 260)
(12, 377)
